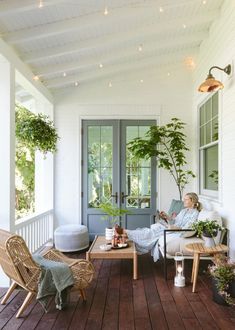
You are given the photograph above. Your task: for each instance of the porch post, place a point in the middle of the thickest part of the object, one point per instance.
(7, 150)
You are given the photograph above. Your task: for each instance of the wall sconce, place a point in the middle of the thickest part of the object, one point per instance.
(212, 85)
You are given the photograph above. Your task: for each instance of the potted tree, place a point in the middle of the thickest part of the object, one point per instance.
(113, 214)
(208, 230)
(223, 280)
(167, 144)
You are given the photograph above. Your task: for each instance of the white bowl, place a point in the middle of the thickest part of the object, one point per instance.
(122, 245)
(106, 247)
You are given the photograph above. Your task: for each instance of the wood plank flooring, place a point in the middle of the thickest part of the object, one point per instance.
(116, 301)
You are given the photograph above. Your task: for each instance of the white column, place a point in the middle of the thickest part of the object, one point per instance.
(7, 150)
(44, 168)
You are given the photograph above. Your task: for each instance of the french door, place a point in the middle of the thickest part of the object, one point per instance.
(111, 174)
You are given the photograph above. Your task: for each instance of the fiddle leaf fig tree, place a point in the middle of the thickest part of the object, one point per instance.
(167, 144)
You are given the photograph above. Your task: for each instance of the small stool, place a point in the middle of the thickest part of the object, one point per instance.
(70, 238)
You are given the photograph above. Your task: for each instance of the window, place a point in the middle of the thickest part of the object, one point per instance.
(208, 149)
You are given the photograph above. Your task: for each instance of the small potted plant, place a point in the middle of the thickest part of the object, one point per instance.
(113, 214)
(208, 230)
(223, 280)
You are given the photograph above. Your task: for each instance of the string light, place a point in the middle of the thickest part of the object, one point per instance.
(101, 65)
(40, 5)
(76, 83)
(35, 78)
(204, 2)
(168, 74)
(141, 80)
(140, 48)
(106, 11)
(184, 26)
(161, 10)
(110, 84)
(64, 74)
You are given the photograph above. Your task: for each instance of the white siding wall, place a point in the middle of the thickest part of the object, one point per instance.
(159, 95)
(219, 49)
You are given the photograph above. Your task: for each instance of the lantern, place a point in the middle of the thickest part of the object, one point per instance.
(179, 270)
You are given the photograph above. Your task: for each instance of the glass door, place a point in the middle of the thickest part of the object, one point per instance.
(111, 174)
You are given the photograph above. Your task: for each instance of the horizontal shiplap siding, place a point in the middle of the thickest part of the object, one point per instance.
(219, 49)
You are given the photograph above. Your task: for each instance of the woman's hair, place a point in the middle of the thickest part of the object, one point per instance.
(194, 198)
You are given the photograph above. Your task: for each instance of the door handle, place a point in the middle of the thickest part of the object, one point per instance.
(123, 197)
(115, 196)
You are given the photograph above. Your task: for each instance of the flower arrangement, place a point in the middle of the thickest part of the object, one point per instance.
(223, 272)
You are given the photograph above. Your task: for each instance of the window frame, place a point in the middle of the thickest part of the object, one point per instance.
(207, 193)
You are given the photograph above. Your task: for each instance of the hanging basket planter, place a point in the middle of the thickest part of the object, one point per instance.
(35, 131)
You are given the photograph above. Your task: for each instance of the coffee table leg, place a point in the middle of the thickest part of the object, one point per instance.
(196, 267)
(88, 256)
(135, 266)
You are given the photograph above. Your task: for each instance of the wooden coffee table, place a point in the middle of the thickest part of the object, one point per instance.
(125, 253)
(197, 249)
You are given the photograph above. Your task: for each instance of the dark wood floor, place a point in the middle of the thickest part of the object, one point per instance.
(115, 301)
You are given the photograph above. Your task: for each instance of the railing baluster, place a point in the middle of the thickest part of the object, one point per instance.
(36, 229)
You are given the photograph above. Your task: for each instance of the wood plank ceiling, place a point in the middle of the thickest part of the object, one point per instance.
(71, 42)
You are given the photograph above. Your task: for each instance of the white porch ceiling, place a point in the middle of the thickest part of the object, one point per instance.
(65, 41)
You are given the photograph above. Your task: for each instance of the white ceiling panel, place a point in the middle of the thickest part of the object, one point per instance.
(63, 41)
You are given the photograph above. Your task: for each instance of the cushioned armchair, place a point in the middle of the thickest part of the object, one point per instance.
(19, 266)
(170, 244)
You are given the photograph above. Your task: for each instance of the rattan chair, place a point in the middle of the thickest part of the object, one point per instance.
(19, 266)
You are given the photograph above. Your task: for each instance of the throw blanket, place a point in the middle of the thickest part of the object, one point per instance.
(146, 239)
(55, 280)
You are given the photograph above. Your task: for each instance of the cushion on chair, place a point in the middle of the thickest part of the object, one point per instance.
(210, 215)
(176, 206)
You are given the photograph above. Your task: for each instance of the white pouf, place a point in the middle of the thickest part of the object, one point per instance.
(70, 238)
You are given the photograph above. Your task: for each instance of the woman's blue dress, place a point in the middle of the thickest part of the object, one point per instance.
(146, 239)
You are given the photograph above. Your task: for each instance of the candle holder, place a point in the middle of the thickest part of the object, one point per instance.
(179, 270)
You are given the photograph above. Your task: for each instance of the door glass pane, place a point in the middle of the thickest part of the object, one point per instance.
(100, 164)
(138, 172)
(211, 168)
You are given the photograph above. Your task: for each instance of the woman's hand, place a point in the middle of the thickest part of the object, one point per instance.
(163, 215)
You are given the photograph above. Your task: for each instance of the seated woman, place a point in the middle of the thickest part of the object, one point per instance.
(146, 239)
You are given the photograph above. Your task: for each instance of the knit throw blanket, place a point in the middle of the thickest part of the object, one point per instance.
(55, 280)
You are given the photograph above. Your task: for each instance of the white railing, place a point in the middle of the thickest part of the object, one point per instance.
(36, 229)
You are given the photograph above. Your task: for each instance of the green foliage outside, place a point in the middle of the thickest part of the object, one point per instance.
(167, 144)
(33, 132)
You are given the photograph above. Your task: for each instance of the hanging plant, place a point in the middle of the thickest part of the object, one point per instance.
(35, 131)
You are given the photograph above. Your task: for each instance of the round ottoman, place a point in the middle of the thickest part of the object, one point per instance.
(70, 238)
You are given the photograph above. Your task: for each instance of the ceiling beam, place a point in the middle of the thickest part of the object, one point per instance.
(135, 37)
(124, 67)
(61, 27)
(14, 7)
(23, 72)
(117, 56)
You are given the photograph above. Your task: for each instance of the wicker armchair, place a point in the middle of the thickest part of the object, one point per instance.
(19, 266)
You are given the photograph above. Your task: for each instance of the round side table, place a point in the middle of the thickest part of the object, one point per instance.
(197, 249)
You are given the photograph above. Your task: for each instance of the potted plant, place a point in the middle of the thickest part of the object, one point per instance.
(223, 280)
(113, 214)
(208, 230)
